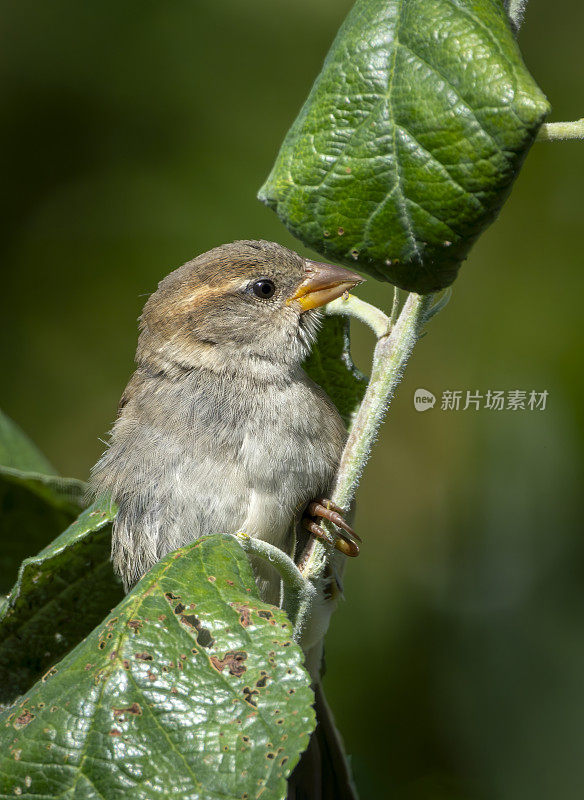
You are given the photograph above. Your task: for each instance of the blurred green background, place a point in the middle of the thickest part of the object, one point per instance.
(134, 136)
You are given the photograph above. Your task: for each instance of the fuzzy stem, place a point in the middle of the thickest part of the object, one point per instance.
(389, 360)
(561, 131)
(516, 12)
(298, 592)
(392, 351)
(372, 316)
(288, 570)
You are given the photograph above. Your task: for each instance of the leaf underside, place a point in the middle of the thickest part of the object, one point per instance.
(410, 139)
(192, 687)
(330, 365)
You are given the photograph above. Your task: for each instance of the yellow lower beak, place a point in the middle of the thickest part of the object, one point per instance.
(323, 283)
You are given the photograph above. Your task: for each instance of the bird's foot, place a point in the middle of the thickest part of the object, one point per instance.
(326, 509)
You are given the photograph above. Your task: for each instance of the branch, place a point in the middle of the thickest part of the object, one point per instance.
(389, 360)
(561, 131)
(393, 349)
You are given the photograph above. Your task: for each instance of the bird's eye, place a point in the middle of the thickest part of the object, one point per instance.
(264, 289)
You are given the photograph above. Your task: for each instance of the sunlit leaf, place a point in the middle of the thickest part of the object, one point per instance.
(192, 687)
(410, 139)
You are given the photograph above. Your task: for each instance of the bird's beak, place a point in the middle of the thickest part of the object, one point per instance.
(323, 283)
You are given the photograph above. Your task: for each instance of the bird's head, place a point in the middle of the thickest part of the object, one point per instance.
(242, 303)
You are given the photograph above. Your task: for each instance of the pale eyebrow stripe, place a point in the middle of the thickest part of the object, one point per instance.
(205, 292)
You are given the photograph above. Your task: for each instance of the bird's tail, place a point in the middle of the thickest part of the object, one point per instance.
(323, 772)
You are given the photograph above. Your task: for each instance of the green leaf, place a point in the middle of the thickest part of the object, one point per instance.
(67, 494)
(17, 450)
(410, 139)
(330, 365)
(35, 503)
(59, 597)
(31, 516)
(193, 687)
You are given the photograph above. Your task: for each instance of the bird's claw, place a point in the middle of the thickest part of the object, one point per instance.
(326, 509)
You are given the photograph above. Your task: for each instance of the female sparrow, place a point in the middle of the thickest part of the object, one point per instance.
(219, 428)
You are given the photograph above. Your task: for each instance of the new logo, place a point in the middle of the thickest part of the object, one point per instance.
(423, 400)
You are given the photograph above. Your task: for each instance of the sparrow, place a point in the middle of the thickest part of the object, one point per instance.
(219, 428)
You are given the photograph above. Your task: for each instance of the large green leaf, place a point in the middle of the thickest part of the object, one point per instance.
(193, 688)
(35, 503)
(330, 365)
(410, 139)
(59, 597)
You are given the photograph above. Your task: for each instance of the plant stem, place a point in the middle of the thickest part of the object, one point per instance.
(372, 316)
(288, 570)
(516, 11)
(389, 359)
(298, 592)
(561, 131)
